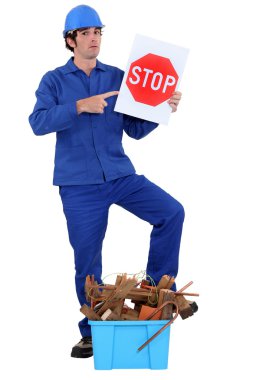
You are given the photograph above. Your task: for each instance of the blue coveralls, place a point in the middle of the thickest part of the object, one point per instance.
(93, 172)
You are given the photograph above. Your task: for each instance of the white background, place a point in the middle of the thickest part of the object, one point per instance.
(203, 158)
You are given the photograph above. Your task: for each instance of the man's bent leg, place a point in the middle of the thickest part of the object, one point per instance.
(152, 204)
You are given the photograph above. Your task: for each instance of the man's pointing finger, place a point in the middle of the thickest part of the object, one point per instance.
(109, 94)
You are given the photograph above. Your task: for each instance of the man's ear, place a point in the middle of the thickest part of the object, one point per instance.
(71, 42)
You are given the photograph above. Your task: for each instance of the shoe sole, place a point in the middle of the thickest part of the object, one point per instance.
(82, 355)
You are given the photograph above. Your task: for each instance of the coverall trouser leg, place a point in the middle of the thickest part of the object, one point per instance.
(86, 209)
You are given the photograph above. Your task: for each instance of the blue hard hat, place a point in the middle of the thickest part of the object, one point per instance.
(82, 16)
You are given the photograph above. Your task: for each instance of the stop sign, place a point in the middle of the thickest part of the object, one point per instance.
(152, 79)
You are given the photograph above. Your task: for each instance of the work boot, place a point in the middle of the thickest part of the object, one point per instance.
(83, 349)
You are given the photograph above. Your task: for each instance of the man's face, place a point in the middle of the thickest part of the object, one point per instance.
(88, 42)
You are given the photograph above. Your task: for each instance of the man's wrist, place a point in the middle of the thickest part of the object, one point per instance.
(80, 106)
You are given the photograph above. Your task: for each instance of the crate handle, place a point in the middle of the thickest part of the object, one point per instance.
(164, 327)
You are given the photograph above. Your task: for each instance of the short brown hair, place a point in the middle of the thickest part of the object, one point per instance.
(71, 35)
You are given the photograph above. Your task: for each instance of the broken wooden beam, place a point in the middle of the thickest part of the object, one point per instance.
(119, 294)
(184, 307)
(166, 282)
(166, 295)
(89, 313)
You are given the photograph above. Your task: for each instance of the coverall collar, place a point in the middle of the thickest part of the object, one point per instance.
(70, 67)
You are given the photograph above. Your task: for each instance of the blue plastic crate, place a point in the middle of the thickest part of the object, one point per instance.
(116, 343)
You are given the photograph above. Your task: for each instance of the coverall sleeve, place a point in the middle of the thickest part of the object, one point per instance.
(48, 116)
(138, 128)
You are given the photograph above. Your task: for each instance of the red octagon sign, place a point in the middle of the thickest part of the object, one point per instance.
(152, 79)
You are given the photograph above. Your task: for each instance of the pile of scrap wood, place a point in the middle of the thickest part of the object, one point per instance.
(107, 302)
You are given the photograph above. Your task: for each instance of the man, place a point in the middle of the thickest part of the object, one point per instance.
(91, 168)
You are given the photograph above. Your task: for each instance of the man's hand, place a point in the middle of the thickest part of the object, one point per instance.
(174, 100)
(94, 104)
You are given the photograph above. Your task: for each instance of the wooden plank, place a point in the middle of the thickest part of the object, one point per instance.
(124, 288)
(184, 307)
(87, 288)
(171, 282)
(118, 308)
(134, 296)
(165, 282)
(166, 295)
(89, 313)
(119, 294)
